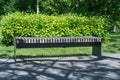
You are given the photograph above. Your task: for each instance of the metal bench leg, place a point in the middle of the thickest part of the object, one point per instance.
(15, 55)
(96, 50)
(15, 50)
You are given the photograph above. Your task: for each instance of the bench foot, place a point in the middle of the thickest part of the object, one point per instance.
(96, 50)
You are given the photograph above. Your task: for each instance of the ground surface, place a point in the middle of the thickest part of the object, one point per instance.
(71, 68)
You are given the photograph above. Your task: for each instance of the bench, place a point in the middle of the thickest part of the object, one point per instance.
(49, 42)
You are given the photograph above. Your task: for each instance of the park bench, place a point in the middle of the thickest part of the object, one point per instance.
(49, 42)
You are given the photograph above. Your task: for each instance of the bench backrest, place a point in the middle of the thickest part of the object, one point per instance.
(42, 42)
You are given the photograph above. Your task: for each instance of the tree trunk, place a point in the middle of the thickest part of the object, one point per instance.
(113, 28)
(38, 7)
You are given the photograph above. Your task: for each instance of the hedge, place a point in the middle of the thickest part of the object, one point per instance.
(34, 25)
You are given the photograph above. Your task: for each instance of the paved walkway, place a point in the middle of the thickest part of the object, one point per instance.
(72, 68)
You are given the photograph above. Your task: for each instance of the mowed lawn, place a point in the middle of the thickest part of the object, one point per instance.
(113, 46)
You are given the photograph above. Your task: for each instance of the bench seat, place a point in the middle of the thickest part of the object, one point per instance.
(49, 42)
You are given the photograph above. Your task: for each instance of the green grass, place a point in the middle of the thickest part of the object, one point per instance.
(113, 46)
(9, 52)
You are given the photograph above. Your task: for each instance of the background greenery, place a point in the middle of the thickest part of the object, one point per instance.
(33, 25)
(110, 8)
(20, 15)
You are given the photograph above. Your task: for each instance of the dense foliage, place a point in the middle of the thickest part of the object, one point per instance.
(55, 7)
(91, 23)
(21, 24)
(102, 7)
(7, 6)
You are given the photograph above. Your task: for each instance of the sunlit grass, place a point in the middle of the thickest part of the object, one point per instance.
(54, 51)
(9, 51)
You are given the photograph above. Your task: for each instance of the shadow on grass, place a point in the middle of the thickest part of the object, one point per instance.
(5, 53)
(82, 57)
(47, 57)
(114, 45)
(115, 37)
(110, 51)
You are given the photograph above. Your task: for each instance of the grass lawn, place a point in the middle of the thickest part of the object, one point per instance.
(8, 51)
(113, 46)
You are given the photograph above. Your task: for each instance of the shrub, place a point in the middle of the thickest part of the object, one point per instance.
(33, 25)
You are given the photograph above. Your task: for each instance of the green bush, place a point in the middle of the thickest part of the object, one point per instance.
(33, 25)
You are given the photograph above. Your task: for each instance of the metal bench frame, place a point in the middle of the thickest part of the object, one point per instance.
(49, 42)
